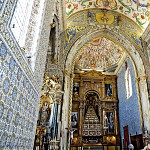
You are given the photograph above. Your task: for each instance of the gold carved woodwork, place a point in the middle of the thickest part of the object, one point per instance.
(92, 74)
(46, 99)
(66, 72)
(50, 85)
(93, 81)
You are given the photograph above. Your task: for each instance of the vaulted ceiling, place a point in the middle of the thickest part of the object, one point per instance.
(100, 53)
(126, 17)
(136, 10)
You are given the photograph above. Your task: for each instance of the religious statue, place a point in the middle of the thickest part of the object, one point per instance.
(44, 113)
(105, 122)
(111, 123)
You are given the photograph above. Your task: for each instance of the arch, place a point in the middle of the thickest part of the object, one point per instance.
(92, 91)
(133, 53)
(88, 101)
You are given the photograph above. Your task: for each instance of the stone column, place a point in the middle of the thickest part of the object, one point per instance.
(114, 89)
(100, 113)
(103, 89)
(67, 106)
(116, 122)
(144, 102)
(59, 103)
(81, 107)
(54, 120)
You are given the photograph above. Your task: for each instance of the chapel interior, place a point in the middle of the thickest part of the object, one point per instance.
(75, 75)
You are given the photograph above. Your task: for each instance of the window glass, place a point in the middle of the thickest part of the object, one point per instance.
(128, 83)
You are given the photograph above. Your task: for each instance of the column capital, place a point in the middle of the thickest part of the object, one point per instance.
(144, 77)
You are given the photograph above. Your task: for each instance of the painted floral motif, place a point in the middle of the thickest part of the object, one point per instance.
(96, 20)
(19, 74)
(14, 93)
(24, 82)
(17, 117)
(9, 115)
(11, 143)
(3, 52)
(99, 53)
(21, 99)
(6, 85)
(26, 104)
(12, 64)
(137, 10)
(1, 109)
(3, 142)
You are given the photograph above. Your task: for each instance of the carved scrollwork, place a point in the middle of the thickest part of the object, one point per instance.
(50, 85)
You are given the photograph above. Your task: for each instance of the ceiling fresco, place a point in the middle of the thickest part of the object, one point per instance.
(88, 21)
(137, 10)
(100, 53)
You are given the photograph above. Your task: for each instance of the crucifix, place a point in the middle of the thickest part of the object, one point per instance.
(71, 131)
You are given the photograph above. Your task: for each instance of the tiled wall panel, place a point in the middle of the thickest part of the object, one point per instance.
(18, 103)
(129, 111)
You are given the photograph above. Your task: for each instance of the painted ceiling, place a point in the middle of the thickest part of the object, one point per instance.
(137, 10)
(126, 18)
(99, 54)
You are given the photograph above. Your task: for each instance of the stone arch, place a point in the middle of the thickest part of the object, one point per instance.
(132, 51)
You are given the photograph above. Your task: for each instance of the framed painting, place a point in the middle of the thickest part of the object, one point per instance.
(108, 89)
(76, 89)
(109, 120)
(74, 119)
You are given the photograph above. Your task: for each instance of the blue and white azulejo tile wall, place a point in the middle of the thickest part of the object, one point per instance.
(18, 103)
(129, 109)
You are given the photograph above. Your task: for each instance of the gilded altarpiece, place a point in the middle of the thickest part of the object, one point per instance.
(95, 104)
(48, 123)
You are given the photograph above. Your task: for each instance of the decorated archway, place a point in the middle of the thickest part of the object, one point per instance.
(129, 48)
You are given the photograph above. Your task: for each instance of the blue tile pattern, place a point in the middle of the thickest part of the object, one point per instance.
(1, 4)
(129, 111)
(6, 12)
(18, 104)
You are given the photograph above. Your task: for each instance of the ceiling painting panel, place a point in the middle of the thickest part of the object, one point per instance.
(137, 10)
(99, 54)
(71, 31)
(92, 20)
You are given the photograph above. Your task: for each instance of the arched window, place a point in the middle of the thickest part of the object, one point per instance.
(128, 82)
(20, 20)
